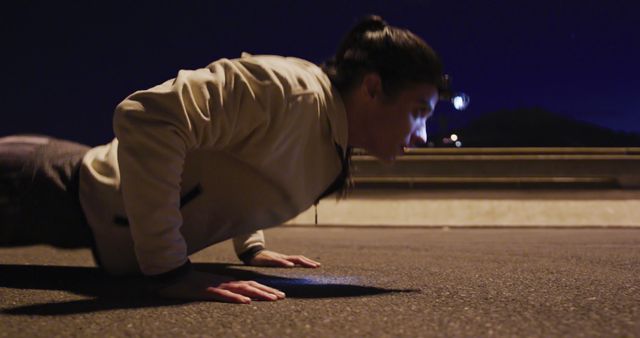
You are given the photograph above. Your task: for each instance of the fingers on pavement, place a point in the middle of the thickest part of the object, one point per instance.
(252, 290)
(304, 261)
(224, 295)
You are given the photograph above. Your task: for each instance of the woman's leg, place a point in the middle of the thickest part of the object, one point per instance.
(39, 192)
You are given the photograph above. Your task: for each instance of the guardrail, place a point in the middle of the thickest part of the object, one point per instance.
(502, 167)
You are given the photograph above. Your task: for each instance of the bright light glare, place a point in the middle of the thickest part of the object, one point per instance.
(453, 137)
(460, 101)
(422, 133)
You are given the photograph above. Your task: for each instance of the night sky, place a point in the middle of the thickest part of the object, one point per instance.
(67, 64)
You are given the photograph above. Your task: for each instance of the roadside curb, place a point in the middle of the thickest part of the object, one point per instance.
(478, 209)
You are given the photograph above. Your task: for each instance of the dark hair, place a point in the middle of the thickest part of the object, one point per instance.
(400, 57)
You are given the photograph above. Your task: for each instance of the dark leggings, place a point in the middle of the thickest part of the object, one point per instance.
(39, 201)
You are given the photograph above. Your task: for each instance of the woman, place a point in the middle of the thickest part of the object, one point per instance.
(221, 152)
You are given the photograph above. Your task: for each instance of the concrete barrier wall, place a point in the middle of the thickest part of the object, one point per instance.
(490, 187)
(611, 167)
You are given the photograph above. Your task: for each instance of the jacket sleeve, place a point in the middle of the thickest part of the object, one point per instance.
(210, 107)
(244, 243)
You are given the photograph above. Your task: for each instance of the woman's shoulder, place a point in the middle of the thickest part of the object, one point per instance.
(294, 73)
(278, 60)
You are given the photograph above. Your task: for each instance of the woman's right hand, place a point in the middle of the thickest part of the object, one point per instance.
(198, 285)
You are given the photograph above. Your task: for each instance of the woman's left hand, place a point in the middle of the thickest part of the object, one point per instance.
(274, 259)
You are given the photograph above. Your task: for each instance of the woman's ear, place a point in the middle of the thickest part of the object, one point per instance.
(372, 85)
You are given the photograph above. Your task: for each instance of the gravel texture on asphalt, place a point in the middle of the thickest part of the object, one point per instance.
(373, 282)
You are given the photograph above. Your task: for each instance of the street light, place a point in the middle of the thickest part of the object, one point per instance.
(459, 100)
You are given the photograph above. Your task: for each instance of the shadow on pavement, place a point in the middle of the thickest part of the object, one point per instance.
(312, 286)
(111, 293)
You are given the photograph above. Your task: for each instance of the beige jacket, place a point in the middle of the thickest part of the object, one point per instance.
(216, 153)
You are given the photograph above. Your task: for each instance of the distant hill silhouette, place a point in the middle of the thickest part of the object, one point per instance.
(537, 127)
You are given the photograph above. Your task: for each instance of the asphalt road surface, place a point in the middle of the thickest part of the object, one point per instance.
(373, 282)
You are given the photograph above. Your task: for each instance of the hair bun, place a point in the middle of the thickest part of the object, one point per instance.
(370, 23)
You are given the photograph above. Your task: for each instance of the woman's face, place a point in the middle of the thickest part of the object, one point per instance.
(393, 124)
